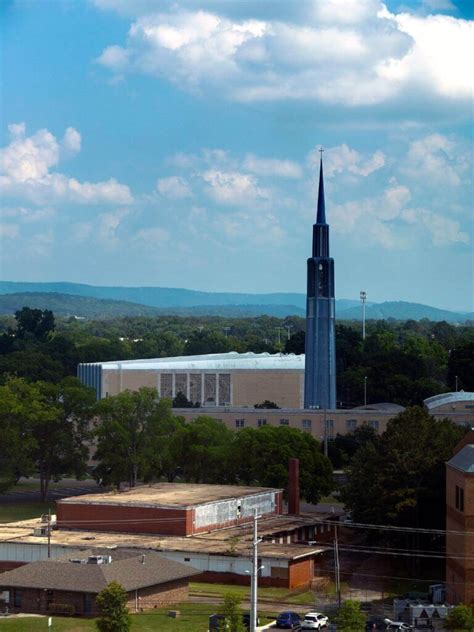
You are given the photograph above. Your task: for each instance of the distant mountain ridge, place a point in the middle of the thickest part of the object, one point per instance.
(105, 302)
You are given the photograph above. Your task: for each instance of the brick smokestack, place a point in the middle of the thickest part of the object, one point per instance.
(294, 486)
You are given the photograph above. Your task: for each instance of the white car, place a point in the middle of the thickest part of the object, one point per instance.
(314, 621)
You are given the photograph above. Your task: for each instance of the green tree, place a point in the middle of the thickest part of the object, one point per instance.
(232, 613)
(350, 618)
(400, 478)
(261, 455)
(112, 601)
(131, 435)
(202, 451)
(460, 619)
(35, 323)
(461, 364)
(266, 404)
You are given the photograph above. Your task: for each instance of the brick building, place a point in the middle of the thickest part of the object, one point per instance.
(178, 509)
(70, 585)
(460, 517)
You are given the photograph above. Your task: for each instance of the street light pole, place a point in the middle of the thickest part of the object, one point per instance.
(456, 378)
(365, 390)
(255, 569)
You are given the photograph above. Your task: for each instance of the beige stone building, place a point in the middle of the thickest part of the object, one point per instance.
(229, 385)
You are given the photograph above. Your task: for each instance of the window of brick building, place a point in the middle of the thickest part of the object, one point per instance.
(284, 422)
(261, 422)
(306, 423)
(459, 498)
(351, 424)
(17, 598)
(239, 423)
(373, 423)
(87, 603)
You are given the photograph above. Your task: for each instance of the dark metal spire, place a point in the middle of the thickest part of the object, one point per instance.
(321, 215)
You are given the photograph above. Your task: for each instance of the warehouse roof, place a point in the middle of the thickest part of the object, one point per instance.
(131, 569)
(212, 361)
(168, 495)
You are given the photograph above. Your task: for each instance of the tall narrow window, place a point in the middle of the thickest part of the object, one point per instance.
(459, 498)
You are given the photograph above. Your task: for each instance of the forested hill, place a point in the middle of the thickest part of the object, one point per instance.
(91, 301)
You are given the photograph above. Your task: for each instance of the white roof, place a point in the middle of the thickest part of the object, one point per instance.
(212, 361)
(448, 398)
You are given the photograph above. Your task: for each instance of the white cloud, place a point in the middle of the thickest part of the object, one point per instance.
(272, 167)
(8, 230)
(152, 236)
(28, 215)
(72, 140)
(108, 226)
(349, 52)
(260, 229)
(25, 171)
(388, 221)
(445, 68)
(343, 158)
(174, 187)
(436, 159)
(233, 187)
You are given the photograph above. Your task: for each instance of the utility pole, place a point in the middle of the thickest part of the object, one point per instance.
(365, 390)
(254, 582)
(337, 567)
(49, 533)
(289, 328)
(279, 336)
(226, 330)
(363, 298)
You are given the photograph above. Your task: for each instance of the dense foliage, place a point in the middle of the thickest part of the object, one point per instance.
(350, 618)
(399, 477)
(139, 438)
(404, 362)
(112, 602)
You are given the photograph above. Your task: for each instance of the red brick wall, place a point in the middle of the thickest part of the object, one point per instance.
(36, 600)
(214, 577)
(9, 566)
(301, 573)
(157, 596)
(120, 518)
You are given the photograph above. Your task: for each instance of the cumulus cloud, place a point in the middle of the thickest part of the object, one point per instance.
(174, 187)
(437, 159)
(260, 229)
(349, 52)
(151, 236)
(343, 158)
(8, 231)
(233, 187)
(389, 220)
(272, 167)
(26, 171)
(27, 215)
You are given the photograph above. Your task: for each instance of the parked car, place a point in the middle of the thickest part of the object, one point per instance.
(397, 626)
(314, 621)
(289, 620)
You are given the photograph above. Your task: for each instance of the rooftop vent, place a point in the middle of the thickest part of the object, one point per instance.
(99, 559)
(78, 561)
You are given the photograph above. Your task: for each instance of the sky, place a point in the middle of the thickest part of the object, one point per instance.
(175, 144)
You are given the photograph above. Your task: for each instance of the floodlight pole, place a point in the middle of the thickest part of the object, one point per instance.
(363, 298)
(365, 390)
(255, 569)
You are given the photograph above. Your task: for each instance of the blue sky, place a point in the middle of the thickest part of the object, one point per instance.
(175, 144)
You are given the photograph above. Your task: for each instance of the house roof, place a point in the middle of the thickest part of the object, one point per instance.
(126, 568)
(464, 459)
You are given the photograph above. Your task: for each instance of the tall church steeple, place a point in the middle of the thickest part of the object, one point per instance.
(320, 346)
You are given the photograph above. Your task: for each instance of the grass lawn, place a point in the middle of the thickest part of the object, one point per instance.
(264, 594)
(194, 617)
(11, 512)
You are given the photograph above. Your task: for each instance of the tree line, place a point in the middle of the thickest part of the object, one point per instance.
(404, 362)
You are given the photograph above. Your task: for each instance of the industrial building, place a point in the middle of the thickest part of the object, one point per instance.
(204, 526)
